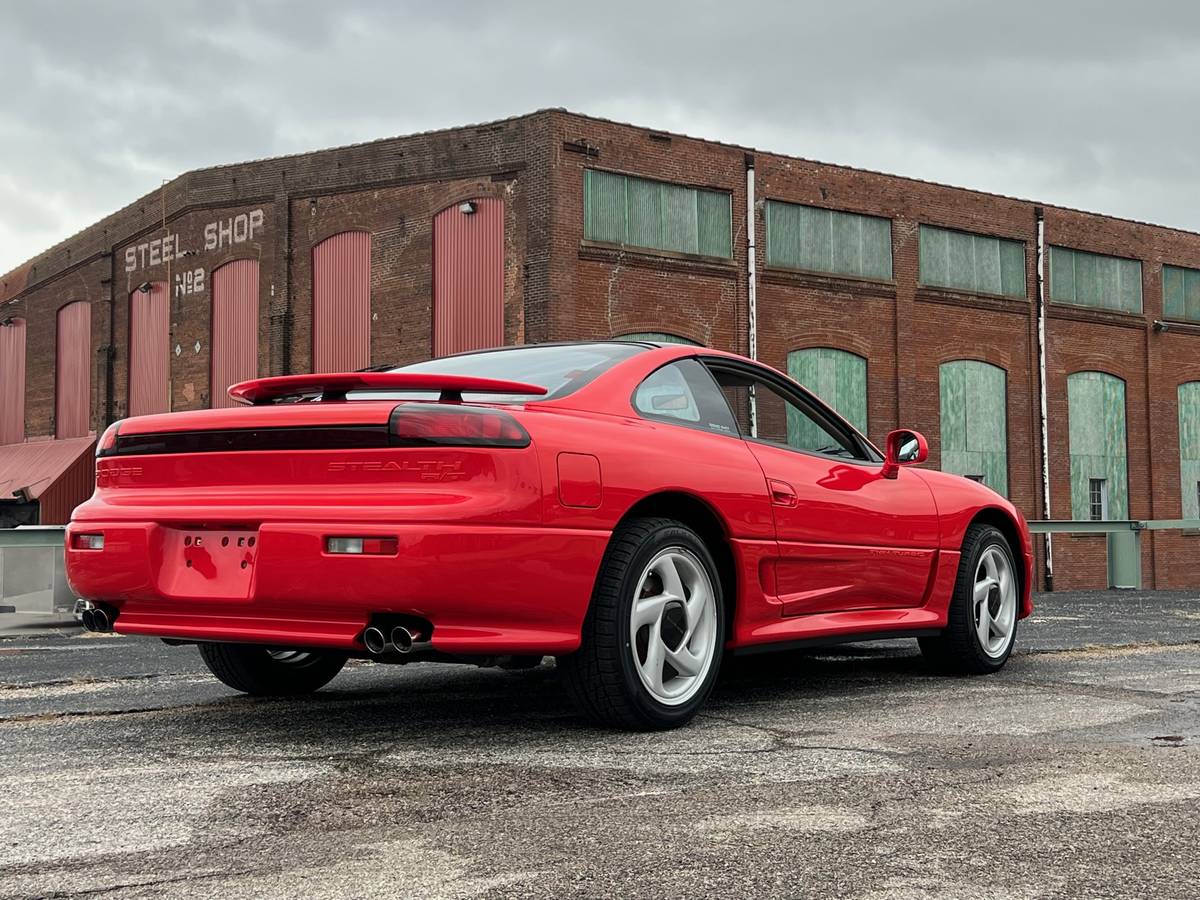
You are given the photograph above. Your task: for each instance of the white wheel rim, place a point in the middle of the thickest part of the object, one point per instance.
(673, 626)
(995, 602)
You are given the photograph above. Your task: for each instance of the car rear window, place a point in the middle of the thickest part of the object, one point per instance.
(559, 368)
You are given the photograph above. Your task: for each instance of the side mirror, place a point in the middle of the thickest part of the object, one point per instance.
(904, 448)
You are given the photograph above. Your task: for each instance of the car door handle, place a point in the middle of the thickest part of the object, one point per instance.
(782, 493)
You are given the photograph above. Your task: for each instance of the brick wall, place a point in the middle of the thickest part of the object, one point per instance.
(559, 287)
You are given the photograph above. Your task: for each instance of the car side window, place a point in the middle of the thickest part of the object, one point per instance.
(782, 419)
(683, 392)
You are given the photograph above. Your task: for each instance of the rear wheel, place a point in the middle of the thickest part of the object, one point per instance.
(269, 671)
(653, 635)
(982, 625)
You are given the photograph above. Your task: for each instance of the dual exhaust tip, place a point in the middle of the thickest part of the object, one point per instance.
(98, 619)
(400, 640)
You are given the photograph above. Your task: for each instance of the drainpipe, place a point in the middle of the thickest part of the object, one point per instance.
(1045, 417)
(751, 286)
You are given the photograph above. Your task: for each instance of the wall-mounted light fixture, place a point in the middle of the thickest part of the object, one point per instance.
(145, 287)
(1160, 325)
(467, 207)
(6, 322)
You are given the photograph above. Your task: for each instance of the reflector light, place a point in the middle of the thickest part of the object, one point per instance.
(426, 424)
(367, 546)
(88, 542)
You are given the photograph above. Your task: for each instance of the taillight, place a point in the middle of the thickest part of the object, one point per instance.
(427, 424)
(107, 444)
(368, 546)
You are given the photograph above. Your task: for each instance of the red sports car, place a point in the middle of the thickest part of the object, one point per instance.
(633, 510)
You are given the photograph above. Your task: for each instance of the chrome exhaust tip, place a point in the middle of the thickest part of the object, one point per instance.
(403, 639)
(375, 641)
(89, 618)
(101, 620)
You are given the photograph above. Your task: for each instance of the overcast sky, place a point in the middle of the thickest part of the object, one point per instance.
(1087, 104)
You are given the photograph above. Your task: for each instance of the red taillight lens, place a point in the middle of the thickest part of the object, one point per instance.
(367, 546)
(108, 441)
(425, 424)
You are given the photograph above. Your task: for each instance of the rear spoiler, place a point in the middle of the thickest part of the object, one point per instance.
(335, 386)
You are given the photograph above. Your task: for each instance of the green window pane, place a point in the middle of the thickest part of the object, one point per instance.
(971, 262)
(1062, 275)
(656, 337)
(1173, 302)
(877, 247)
(713, 224)
(680, 229)
(645, 214)
(822, 240)
(987, 265)
(1189, 448)
(1191, 295)
(604, 207)
(933, 246)
(1012, 268)
(1096, 429)
(838, 378)
(621, 209)
(1092, 279)
(1130, 290)
(847, 243)
(816, 239)
(974, 421)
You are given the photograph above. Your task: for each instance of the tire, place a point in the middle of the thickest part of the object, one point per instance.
(270, 672)
(611, 677)
(960, 648)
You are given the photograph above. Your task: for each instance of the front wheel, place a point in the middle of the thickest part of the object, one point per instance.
(982, 624)
(653, 635)
(269, 671)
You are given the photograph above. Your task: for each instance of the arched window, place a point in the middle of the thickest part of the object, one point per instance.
(1099, 464)
(975, 422)
(149, 350)
(73, 371)
(341, 270)
(234, 328)
(1189, 447)
(12, 381)
(657, 337)
(837, 377)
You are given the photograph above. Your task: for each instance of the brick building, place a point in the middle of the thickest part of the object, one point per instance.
(902, 302)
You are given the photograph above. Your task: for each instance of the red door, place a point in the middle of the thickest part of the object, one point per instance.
(234, 328)
(848, 538)
(342, 303)
(73, 375)
(149, 351)
(12, 382)
(468, 277)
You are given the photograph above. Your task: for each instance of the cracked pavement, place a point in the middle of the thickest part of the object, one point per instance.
(129, 772)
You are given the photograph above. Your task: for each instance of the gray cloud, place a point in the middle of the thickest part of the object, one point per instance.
(1082, 104)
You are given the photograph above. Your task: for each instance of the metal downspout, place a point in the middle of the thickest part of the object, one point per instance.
(1043, 405)
(751, 286)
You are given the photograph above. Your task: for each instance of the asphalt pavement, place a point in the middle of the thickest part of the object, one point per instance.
(127, 771)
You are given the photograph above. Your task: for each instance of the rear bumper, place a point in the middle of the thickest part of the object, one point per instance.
(485, 589)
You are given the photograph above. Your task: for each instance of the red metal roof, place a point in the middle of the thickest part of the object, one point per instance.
(35, 466)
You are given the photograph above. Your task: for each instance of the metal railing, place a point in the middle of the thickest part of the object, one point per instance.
(1124, 542)
(32, 579)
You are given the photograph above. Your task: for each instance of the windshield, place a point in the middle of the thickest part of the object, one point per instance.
(559, 368)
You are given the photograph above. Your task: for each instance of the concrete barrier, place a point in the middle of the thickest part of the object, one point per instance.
(32, 580)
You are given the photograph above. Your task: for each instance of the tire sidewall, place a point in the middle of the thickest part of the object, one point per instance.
(655, 712)
(991, 538)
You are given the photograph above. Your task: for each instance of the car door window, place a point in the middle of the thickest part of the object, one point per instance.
(783, 419)
(683, 392)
